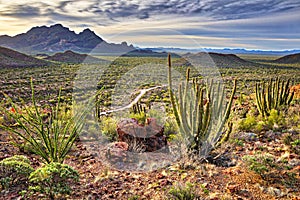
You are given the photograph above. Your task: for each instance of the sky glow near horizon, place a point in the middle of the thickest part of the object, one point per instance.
(249, 24)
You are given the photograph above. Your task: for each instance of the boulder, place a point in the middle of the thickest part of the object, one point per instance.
(117, 151)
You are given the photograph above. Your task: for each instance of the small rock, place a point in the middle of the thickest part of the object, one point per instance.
(273, 191)
(247, 136)
(272, 135)
(117, 151)
(294, 162)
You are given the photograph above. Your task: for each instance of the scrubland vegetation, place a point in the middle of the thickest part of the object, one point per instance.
(51, 149)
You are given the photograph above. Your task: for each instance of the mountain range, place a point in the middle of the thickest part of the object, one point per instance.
(57, 38)
(57, 43)
(225, 51)
(11, 58)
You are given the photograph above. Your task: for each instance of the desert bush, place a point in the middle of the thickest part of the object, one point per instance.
(53, 179)
(140, 117)
(170, 127)
(50, 137)
(260, 163)
(180, 192)
(247, 123)
(273, 121)
(14, 170)
(108, 127)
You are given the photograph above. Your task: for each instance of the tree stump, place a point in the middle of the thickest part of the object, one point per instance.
(148, 137)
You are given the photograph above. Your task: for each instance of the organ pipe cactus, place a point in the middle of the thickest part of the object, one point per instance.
(138, 108)
(275, 94)
(201, 111)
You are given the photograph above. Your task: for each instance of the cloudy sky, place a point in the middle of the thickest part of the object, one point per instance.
(250, 24)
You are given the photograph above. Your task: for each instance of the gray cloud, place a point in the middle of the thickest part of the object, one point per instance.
(22, 11)
(139, 9)
(229, 9)
(232, 20)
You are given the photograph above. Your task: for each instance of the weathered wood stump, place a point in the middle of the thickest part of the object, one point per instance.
(150, 136)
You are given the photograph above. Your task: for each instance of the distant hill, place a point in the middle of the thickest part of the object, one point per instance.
(225, 51)
(11, 58)
(217, 59)
(289, 59)
(73, 58)
(58, 38)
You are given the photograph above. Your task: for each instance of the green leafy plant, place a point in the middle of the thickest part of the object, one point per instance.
(50, 138)
(200, 112)
(296, 143)
(14, 170)
(273, 95)
(53, 179)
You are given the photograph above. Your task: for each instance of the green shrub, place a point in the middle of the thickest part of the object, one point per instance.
(109, 128)
(14, 170)
(248, 123)
(275, 119)
(255, 165)
(182, 192)
(140, 117)
(296, 143)
(53, 179)
(259, 163)
(51, 137)
(170, 127)
(19, 158)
